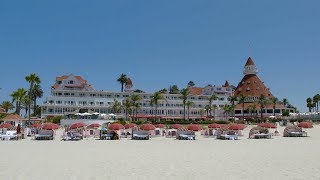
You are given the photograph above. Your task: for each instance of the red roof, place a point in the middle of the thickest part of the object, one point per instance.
(249, 62)
(12, 117)
(252, 86)
(196, 90)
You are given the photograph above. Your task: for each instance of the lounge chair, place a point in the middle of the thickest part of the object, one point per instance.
(44, 135)
(294, 131)
(186, 135)
(140, 135)
(227, 135)
(72, 136)
(9, 135)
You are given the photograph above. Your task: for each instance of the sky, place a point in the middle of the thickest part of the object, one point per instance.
(161, 43)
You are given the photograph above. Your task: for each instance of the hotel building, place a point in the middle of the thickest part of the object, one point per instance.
(71, 93)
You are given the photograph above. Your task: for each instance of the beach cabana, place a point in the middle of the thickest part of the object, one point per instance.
(171, 133)
(259, 133)
(92, 130)
(294, 131)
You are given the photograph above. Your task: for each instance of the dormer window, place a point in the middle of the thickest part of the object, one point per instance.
(248, 89)
(71, 82)
(59, 82)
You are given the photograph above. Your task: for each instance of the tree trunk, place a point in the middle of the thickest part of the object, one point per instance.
(122, 85)
(188, 113)
(184, 112)
(274, 110)
(242, 111)
(214, 114)
(34, 106)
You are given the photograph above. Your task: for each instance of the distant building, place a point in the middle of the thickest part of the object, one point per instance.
(70, 94)
(252, 87)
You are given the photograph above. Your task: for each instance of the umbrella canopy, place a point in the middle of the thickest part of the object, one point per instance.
(130, 125)
(36, 125)
(6, 125)
(214, 126)
(78, 114)
(50, 126)
(194, 127)
(160, 125)
(176, 126)
(237, 127)
(115, 127)
(93, 126)
(78, 125)
(268, 125)
(147, 127)
(86, 114)
(305, 125)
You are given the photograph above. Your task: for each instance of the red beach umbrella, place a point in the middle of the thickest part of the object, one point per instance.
(305, 125)
(78, 125)
(6, 125)
(214, 126)
(268, 125)
(130, 125)
(50, 126)
(176, 126)
(194, 127)
(115, 127)
(93, 126)
(160, 125)
(36, 125)
(147, 127)
(237, 127)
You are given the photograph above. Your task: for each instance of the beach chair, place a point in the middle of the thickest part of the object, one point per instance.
(44, 135)
(186, 135)
(140, 135)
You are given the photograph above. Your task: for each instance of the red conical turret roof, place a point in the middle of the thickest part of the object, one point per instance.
(250, 62)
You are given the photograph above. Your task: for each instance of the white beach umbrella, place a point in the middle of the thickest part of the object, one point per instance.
(78, 114)
(96, 113)
(112, 115)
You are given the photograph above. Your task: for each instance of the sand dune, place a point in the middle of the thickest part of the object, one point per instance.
(160, 158)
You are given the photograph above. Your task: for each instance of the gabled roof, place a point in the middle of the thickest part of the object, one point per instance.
(12, 117)
(249, 62)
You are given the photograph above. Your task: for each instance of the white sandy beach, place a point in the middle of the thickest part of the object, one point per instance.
(161, 158)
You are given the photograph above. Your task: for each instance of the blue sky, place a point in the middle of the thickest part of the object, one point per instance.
(159, 43)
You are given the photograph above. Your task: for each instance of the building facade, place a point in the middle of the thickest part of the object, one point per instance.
(71, 93)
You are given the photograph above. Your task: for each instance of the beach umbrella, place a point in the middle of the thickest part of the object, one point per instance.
(130, 125)
(268, 125)
(160, 125)
(50, 126)
(147, 127)
(93, 126)
(36, 125)
(194, 127)
(96, 113)
(78, 125)
(305, 125)
(116, 127)
(237, 127)
(78, 114)
(112, 114)
(214, 126)
(176, 126)
(6, 125)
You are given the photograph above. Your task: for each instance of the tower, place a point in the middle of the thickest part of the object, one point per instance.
(250, 68)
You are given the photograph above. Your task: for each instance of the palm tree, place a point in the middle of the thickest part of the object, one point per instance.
(184, 96)
(32, 79)
(309, 104)
(242, 100)
(191, 84)
(189, 104)
(233, 100)
(207, 109)
(316, 100)
(285, 102)
(26, 103)
(274, 102)
(122, 80)
(18, 96)
(7, 105)
(211, 99)
(228, 109)
(174, 89)
(37, 93)
(157, 96)
(116, 106)
(214, 108)
(263, 101)
(135, 103)
(127, 104)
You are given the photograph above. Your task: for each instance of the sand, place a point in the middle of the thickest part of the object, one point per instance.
(161, 158)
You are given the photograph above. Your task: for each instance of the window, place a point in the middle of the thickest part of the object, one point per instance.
(71, 82)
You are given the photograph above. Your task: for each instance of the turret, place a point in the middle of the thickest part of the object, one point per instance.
(250, 68)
